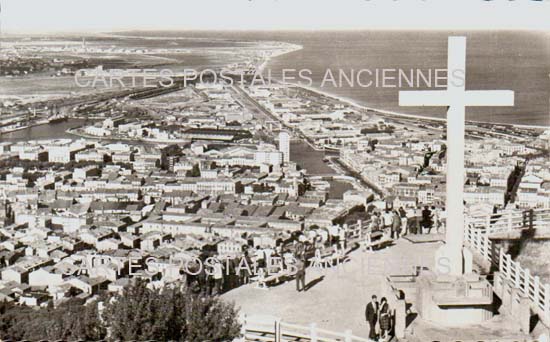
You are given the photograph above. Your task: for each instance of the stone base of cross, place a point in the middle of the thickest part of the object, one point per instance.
(456, 98)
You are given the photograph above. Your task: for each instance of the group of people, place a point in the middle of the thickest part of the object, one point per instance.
(219, 275)
(379, 318)
(262, 262)
(427, 220)
(293, 255)
(314, 246)
(389, 220)
(313, 251)
(400, 222)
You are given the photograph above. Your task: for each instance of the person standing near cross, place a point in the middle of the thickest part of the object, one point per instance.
(456, 98)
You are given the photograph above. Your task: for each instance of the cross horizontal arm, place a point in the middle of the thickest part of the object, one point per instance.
(479, 98)
(484, 98)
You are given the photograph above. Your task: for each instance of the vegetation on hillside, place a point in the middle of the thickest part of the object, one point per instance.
(139, 313)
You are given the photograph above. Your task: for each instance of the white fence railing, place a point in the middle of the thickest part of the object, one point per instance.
(478, 240)
(476, 236)
(512, 220)
(274, 330)
(524, 281)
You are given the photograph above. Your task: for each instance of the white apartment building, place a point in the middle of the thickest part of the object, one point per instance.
(284, 145)
(490, 195)
(269, 157)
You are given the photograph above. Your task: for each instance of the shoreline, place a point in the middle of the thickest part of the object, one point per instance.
(356, 104)
(383, 112)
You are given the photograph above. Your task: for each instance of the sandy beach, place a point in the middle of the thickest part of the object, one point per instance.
(404, 115)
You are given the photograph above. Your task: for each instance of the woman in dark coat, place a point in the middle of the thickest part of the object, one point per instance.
(385, 319)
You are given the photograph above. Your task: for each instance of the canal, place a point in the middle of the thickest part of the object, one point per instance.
(300, 152)
(311, 160)
(49, 131)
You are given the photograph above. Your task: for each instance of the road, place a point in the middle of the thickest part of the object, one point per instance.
(336, 165)
(258, 108)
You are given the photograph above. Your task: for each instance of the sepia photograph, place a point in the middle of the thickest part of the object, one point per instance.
(275, 170)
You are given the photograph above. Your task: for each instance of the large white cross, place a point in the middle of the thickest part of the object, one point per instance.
(456, 98)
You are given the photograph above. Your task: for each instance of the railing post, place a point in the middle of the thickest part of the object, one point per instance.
(501, 260)
(509, 267)
(510, 221)
(518, 275)
(480, 243)
(487, 243)
(313, 332)
(243, 324)
(400, 318)
(348, 336)
(527, 280)
(536, 295)
(531, 214)
(277, 330)
(547, 299)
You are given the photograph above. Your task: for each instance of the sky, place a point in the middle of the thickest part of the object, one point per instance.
(44, 16)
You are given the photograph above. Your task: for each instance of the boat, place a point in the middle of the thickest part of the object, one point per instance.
(57, 119)
(12, 128)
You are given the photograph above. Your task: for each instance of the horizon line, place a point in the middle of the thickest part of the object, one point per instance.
(276, 30)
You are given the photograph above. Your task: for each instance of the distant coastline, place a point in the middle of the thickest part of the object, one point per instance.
(353, 103)
(353, 51)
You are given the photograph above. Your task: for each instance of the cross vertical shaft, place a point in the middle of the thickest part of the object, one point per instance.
(454, 233)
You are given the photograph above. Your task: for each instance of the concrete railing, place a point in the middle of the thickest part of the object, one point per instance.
(479, 241)
(476, 237)
(522, 279)
(479, 228)
(270, 329)
(511, 220)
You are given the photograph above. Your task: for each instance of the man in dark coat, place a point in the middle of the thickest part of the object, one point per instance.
(427, 219)
(395, 225)
(371, 314)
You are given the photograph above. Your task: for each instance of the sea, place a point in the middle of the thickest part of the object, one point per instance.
(518, 61)
(495, 59)
(514, 60)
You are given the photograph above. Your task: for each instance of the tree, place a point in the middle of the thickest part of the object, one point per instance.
(70, 321)
(137, 314)
(171, 314)
(195, 172)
